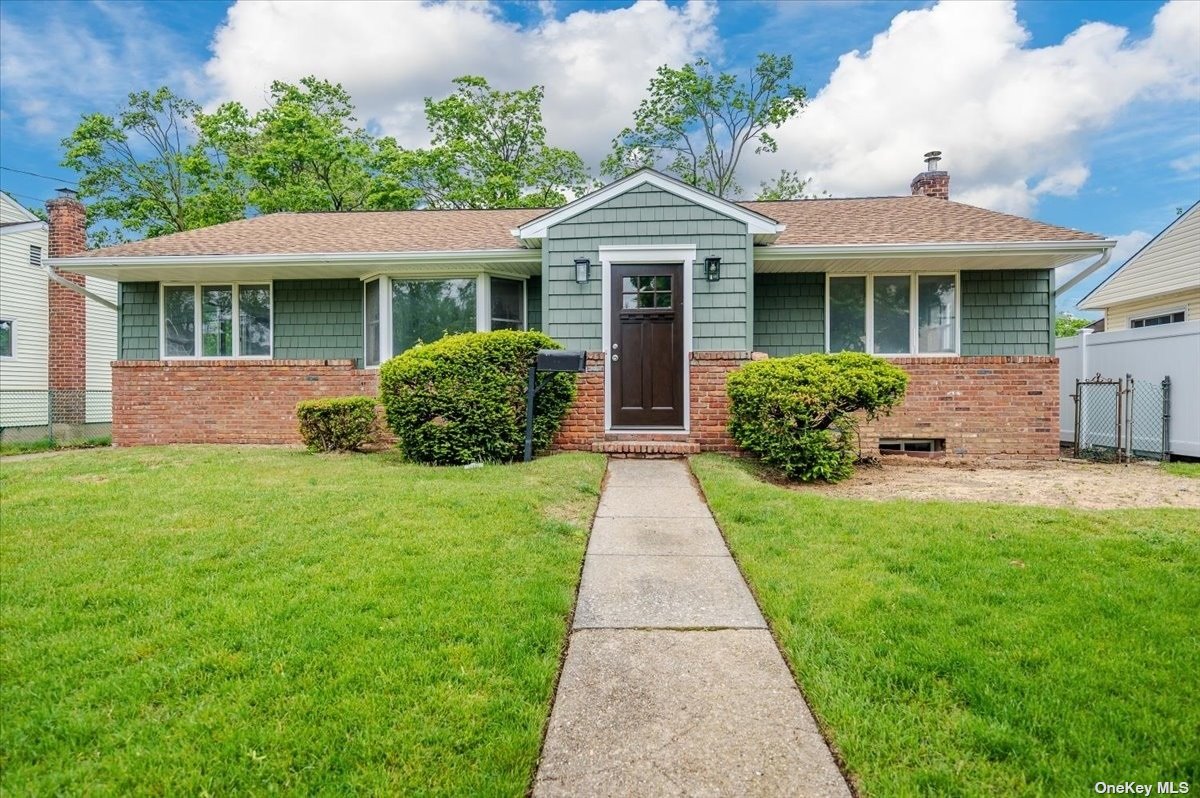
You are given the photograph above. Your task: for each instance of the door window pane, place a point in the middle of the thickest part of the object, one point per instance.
(506, 304)
(935, 314)
(646, 292)
(179, 320)
(892, 314)
(372, 322)
(216, 320)
(254, 320)
(425, 310)
(847, 314)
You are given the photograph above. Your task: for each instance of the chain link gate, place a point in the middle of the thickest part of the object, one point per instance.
(1120, 419)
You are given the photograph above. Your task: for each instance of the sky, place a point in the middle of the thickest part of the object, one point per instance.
(1083, 114)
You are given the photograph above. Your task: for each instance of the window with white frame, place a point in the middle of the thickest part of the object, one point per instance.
(398, 312)
(7, 342)
(216, 320)
(893, 314)
(1174, 317)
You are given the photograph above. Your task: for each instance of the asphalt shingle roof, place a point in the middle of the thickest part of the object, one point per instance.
(822, 222)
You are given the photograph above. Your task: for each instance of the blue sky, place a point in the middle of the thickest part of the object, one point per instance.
(1078, 113)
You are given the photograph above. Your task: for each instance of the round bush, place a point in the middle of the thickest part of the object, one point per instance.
(340, 424)
(462, 399)
(794, 413)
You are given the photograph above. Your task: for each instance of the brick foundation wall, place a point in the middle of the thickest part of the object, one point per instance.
(984, 407)
(224, 401)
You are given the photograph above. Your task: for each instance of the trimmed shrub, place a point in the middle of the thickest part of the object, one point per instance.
(794, 413)
(341, 424)
(462, 399)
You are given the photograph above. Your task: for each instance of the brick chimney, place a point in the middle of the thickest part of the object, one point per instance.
(68, 313)
(932, 182)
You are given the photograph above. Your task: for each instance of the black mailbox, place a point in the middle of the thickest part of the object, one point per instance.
(558, 360)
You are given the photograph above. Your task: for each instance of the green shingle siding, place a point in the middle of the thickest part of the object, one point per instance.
(1007, 312)
(644, 216)
(137, 319)
(789, 313)
(533, 303)
(318, 319)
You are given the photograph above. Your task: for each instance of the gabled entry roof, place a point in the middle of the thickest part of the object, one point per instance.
(763, 228)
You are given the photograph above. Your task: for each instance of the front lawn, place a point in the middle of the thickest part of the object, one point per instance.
(1181, 469)
(979, 649)
(204, 620)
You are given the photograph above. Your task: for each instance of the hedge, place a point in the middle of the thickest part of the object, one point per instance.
(342, 423)
(461, 399)
(794, 413)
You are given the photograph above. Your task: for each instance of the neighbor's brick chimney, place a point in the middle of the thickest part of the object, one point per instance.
(68, 313)
(932, 182)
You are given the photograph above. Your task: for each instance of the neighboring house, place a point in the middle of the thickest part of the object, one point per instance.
(1150, 330)
(1160, 284)
(667, 288)
(40, 348)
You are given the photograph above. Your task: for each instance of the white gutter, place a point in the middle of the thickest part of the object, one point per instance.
(806, 252)
(79, 289)
(350, 258)
(1090, 270)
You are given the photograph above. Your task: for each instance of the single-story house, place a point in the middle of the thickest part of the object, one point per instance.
(667, 288)
(56, 346)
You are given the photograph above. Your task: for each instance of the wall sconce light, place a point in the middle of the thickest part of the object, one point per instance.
(582, 266)
(712, 268)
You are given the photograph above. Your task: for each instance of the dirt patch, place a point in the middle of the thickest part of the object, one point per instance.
(1053, 484)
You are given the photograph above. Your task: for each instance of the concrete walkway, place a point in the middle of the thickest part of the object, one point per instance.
(672, 684)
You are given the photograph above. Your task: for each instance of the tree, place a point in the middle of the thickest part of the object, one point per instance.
(143, 172)
(1066, 325)
(488, 150)
(697, 124)
(303, 152)
(788, 186)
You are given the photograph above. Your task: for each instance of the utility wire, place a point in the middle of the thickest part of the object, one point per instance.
(24, 196)
(36, 174)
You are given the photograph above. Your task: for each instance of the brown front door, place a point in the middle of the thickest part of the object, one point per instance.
(646, 352)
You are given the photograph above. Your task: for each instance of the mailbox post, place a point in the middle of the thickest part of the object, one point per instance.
(548, 360)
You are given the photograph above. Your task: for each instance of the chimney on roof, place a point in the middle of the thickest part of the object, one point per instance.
(67, 360)
(933, 182)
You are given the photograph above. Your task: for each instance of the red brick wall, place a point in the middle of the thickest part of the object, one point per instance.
(224, 401)
(584, 423)
(67, 360)
(984, 407)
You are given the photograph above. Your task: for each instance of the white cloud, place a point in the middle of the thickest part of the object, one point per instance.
(85, 58)
(595, 65)
(1014, 121)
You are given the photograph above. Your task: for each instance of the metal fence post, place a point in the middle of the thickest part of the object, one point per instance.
(1166, 417)
(1078, 405)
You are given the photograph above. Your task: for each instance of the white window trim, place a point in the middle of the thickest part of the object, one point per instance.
(12, 339)
(914, 322)
(237, 333)
(1153, 314)
(669, 254)
(483, 304)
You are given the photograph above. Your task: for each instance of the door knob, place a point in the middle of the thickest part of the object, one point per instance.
(616, 357)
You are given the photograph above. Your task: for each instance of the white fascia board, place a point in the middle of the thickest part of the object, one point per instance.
(756, 223)
(23, 227)
(84, 265)
(806, 252)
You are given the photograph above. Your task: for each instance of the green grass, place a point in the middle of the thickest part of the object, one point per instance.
(972, 649)
(47, 445)
(205, 620)
(1183, 469)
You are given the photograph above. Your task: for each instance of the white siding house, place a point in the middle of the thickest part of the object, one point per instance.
(25, 325)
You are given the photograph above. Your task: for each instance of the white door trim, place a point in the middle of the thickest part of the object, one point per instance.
(669, 254)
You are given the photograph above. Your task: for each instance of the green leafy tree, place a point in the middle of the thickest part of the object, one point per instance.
(488, 150)
(143, 173)
(303, 152)
(789, 185)
(1066, 325)
(697, 124)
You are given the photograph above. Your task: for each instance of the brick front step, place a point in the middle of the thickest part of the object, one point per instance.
(644, 448)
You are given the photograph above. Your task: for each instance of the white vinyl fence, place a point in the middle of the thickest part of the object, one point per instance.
(1147, 354)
